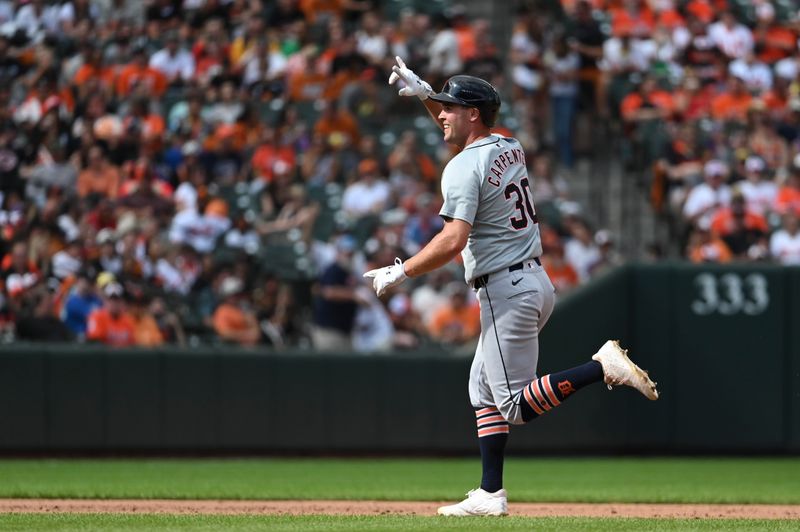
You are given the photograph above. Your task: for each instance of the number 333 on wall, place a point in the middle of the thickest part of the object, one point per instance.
(730, 294)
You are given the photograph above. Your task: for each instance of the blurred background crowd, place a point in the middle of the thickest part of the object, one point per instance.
(223, 171)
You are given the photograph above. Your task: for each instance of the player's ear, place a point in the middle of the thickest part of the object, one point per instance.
(474, 114)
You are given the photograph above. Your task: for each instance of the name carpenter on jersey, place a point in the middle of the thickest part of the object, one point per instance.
(501, 164)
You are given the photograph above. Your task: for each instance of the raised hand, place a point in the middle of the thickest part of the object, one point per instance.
(414, 86)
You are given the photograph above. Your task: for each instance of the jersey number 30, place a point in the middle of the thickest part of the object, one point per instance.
(524, 205)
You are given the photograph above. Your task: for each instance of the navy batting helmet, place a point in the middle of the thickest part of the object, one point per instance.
(471, 92)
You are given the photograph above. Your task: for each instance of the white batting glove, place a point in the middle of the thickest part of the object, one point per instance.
(387, 277)
(414, 86)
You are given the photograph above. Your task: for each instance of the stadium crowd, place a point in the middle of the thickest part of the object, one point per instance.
(185, 171)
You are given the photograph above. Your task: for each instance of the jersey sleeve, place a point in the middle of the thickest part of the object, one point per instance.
(460, 192)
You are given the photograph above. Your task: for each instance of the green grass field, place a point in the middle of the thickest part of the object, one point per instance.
(84, 523)
(746, 480)
(759, 480)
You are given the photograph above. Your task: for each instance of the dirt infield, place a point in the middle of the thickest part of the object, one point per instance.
(685, 511)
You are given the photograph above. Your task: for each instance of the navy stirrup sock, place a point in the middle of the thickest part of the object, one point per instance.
(492, 438)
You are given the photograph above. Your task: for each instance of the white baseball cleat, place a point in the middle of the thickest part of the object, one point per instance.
(477, 503)
(619, 369)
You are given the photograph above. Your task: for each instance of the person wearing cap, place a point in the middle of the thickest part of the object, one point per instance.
(705, 198)
(784, 244)
(758, 188)
(609, 258)
(111, 324)
(234, 320)
(200, 230)
(336, 300)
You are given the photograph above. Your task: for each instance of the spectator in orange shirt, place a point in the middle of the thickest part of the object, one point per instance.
(408, 162)
(234, 320)
(705, 247)
(146, 332)
(94, 70)
(99, 177)
(788, 198)
(458, 321)
(702, 9)
(325, 9)
(635, 17)
(270, 153)
(337, 126)
(111, 324)
(647, 103)
(137, 73)
(733, 103)
(561, 272)
(773, 40)
(743, 230)
(143, 121)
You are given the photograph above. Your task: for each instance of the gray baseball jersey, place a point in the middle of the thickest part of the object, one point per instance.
(487, 185)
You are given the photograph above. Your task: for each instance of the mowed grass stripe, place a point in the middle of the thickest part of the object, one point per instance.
(746, 480)
(169, 523)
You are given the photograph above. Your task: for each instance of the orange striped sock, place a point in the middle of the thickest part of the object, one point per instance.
(545, 393)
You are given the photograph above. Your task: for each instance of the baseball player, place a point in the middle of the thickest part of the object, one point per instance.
(489, 218)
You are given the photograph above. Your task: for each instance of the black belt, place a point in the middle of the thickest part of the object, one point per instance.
(481, 281)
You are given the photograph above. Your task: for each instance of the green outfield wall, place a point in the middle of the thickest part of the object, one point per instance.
(722, 342)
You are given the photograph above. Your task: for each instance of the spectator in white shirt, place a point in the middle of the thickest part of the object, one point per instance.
(200, 230)
(445, 59)
(68, 261)
(756, 74)
(371, 43)
(625, 54)
(581, 251)
(525, 56)
(174, 62)
(263, 64)
(368, 194)
(735, 40)
(758, 189)
(788, 68)
(704, 199)
(37, 19)
(784, 246)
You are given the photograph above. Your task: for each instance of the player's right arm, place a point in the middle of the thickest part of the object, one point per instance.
(442, 248)
(415, 86)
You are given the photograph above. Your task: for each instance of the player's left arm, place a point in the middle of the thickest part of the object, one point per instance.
(441, 249)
